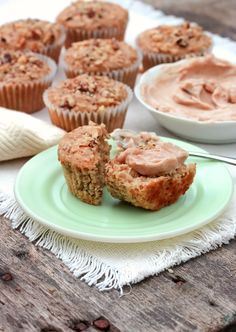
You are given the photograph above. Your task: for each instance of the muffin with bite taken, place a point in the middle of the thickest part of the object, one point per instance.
(109, 57)
(76, 101)
(83, 153)
(93, 19)
(34, 35)
(149, 173)
(170, 43)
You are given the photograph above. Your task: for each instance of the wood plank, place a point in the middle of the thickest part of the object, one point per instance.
(44, 296)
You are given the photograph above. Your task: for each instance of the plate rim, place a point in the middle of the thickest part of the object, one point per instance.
(119, 238)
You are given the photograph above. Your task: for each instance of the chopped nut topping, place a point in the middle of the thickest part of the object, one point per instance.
(177, 40)
(30, 34)
(100, 55)
(87, 93)
(93, 15)
(20, 67)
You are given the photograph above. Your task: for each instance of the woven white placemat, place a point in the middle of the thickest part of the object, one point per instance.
(105, 265)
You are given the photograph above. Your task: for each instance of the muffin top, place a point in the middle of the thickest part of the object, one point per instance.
(93, 15)
(19, 67)
(86, 93)
(81, 146)
(31, 34)
(176, 40)
(100, 55)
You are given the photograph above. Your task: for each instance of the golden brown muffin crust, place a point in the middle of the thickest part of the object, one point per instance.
(175, 40)
(20, 67)
(31, 34)
(93, 15)
(100, 55)
(86, 93)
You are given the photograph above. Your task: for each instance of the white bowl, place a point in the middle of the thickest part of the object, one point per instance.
(198, 131)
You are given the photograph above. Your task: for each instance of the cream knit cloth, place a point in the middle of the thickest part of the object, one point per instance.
(22, 135)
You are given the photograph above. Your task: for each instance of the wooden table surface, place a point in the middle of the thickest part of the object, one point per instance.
(38, 293)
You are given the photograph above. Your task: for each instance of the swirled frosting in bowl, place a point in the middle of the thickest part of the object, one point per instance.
(201, 89)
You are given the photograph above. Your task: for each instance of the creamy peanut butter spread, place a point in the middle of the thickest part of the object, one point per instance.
(100, 55)
(93, 15)
(176, 40)
(21, 67)
(31, 34)
(86, 93)
(162, 159)
(202, 89)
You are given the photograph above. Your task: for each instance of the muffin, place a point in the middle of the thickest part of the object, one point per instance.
(150, 173)
(108, 57)
(83, 153)
(76, 101)
(35, 35)
(93, 19)
(172, 43)
(23, 78)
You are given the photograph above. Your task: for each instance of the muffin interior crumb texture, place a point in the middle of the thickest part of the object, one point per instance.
(151, 175)
(86, 93)
(176, 40)
(83, 154)
(31, 34)
(17, 67)
(100, 55)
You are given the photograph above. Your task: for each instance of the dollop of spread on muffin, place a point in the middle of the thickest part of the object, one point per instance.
(31, 34)
(100, 55)
(86, 93)
(19, 67)
(93, 15)
(202, 89)
(161, 159)
(181, 39)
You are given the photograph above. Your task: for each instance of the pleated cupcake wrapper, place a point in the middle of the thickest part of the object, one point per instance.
(112, 117)
(152, 59)
(74, 35)
(125, 75)
(27, 97)
(53, 51)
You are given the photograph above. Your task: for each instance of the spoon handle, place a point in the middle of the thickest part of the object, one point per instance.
(228, 160)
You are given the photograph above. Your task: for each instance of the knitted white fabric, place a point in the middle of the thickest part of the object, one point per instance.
(22, 135)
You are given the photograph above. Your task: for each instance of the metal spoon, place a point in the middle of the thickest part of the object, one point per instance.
(228, 160)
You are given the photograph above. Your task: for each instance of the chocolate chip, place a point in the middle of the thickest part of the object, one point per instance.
(91, 13)
(69, 18)
(3, 40)
(7, 57)
(182, 42)
(102, 324)
(178, 279)
(79, 325)
(6, 276)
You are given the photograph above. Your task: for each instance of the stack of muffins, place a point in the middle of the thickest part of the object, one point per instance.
(101, 68)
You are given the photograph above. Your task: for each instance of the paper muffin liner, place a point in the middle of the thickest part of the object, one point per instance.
(151, 59)
(27, 97)
(112, 117)
(74, 35)
(53, 51)
(125, 75)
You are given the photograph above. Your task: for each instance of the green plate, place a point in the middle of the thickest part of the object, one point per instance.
(42, 193)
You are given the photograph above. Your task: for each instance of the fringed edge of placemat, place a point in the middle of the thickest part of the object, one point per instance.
(86, 266)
